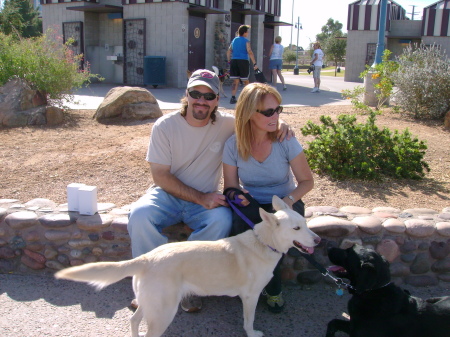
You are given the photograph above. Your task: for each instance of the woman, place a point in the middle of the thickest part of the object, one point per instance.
(264, 166)
(276, 61)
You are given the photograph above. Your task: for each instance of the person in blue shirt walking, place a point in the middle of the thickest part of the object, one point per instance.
(237, 55)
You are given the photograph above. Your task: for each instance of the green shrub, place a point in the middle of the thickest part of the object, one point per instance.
(46, 64)
(423, 81)
(347, 149)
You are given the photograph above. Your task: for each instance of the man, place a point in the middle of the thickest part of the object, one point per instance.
(317, 61)
(185, 156)
(237, 55)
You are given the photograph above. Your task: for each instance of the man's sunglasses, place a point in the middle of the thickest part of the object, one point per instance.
(271, 112)
(209, 96)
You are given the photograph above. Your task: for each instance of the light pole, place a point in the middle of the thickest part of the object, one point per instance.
(298, 26)
(292, 21)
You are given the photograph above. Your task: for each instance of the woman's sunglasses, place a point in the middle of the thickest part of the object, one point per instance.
(271, 112)
(209, 96)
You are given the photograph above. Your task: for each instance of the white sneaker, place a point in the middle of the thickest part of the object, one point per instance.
(315, 89)
(318, 90)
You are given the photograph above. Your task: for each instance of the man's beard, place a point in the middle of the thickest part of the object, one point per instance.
(202, 115)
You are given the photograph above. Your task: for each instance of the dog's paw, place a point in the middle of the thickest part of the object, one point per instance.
(255, 333)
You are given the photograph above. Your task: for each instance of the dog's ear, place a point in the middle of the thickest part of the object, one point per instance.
(266, 216)
(278, 204)
(367, 277)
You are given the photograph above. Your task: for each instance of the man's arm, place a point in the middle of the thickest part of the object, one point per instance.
(172, 185)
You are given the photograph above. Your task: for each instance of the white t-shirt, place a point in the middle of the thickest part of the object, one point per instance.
(277, 52)
(194, 154)
(319, 61)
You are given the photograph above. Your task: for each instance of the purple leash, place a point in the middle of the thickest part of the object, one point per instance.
(238, 201)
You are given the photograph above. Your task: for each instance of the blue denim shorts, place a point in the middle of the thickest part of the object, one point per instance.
(276, 64)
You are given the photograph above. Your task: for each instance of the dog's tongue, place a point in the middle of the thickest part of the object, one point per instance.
(310, 250)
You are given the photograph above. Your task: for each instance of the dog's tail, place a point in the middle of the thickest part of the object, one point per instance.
(101, 274)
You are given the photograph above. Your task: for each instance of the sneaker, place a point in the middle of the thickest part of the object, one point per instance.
(233, 100)
(318, 90)
(191, 303)
(284, 88)
(275, 303)
(315, 89)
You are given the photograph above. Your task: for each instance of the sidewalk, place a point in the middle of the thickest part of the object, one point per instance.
(298, 93)
(36, 306)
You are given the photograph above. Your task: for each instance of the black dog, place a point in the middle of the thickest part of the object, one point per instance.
(379, 308)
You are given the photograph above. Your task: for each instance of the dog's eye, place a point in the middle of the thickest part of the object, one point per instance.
(296, 228)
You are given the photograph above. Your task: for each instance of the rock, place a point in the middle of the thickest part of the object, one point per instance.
(421, 264)
(57, 235)
(94, 222)
(441, 266)
(21, 220)
(120, 225)
(309, 277)
(389, 249)
(439, 250)
(331, 226)
(368, 224)
(443, 228)
(31, 263)
(420, 211)
(419, 228)
(56, 220)
(447, 120)
(394, 226)
(322, 209)
(398, 269)
(20, 105)
(355, 210)
(54, 115)
(128, 102)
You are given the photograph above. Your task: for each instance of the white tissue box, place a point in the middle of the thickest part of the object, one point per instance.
(87, 200)
(72, 196)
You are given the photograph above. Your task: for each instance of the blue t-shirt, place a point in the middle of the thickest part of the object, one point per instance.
(269, 178)
(239, 48)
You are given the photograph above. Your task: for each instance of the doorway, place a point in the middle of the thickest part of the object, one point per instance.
(196, 42)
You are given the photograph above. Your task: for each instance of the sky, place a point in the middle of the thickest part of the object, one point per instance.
(313, 15)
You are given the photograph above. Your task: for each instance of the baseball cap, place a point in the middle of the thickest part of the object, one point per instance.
(204, 77)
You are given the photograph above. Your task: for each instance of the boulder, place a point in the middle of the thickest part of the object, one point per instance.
(21, 105)
(130, 103)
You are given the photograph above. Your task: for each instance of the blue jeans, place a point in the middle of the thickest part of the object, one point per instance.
(158, 209)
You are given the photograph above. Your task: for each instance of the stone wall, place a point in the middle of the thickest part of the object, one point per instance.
(42, 237)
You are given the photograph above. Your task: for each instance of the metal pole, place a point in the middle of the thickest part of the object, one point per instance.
(296, 59)
(292, 21)
(381, 33)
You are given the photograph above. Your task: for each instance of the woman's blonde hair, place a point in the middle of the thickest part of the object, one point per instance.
(317, 44)
(249, 101)
(278, 39)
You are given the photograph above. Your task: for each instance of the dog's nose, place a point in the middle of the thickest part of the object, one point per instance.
(317, 240)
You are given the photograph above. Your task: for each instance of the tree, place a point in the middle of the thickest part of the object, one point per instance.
(335, 48)
(19, 18)
(330, 29)
(333, 42)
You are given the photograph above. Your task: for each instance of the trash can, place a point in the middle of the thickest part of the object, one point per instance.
(154, 70)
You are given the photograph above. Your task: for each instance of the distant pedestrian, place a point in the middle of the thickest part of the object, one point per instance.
(237, 55)
(276, 61)
(317, 62)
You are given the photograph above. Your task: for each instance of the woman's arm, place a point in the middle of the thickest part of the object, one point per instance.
(231, 179)
(303, 175)
(271, 51)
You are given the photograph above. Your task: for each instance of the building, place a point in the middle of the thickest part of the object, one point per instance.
(362, 25)
(136, 42)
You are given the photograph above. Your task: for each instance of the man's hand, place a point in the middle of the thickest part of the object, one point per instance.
(213, 200)
(284, 131)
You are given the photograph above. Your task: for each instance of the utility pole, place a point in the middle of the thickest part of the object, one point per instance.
(413, 12)
(292, 21)
(298, 26)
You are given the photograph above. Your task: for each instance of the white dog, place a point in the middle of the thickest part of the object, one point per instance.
(237, 266)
